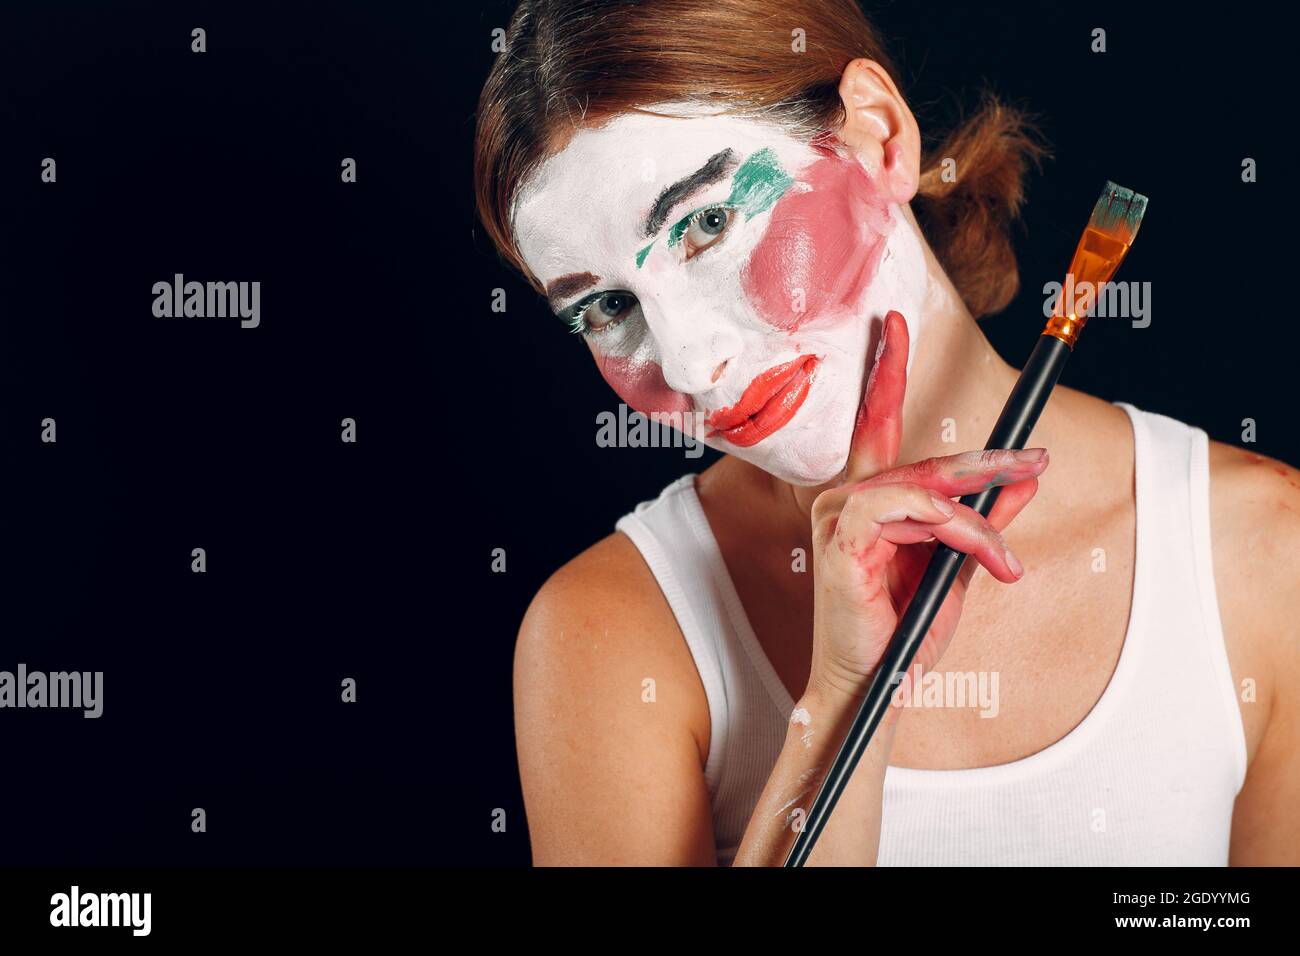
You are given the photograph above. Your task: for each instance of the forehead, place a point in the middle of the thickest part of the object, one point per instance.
(583, 209)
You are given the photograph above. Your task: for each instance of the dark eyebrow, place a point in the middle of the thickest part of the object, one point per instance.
(559, 289)
(716, 168)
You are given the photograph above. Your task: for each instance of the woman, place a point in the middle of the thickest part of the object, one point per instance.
(725, 213)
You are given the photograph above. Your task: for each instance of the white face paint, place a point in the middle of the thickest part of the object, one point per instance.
(752, 300)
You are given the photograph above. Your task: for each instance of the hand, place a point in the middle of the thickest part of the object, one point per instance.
(873, 534)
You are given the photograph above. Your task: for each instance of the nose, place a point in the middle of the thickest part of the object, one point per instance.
(695, 346)
(694, 361)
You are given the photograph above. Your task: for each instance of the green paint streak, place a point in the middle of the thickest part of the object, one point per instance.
(1001, 478)
(678, 230)
(758, 183)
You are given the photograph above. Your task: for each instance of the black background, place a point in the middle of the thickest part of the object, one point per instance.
(476, 429)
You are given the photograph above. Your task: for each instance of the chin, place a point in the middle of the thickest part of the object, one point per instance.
(807, 457)
(808, 475)
(810, 450)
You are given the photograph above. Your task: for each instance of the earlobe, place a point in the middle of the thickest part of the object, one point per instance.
(901, 172)
(879, 129)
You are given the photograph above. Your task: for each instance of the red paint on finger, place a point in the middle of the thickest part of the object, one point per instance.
(878, 431)
(978, 472)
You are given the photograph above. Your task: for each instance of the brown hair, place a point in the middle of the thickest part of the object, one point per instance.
(569, 64)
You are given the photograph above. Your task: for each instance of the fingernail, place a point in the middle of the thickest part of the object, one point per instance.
(1030, 454)
(1014, 563)
(943, 504)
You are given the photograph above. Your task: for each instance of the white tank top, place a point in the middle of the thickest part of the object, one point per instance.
(1147, 778)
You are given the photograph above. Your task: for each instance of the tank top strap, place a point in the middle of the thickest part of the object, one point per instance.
(1176, 584)
(662, 531)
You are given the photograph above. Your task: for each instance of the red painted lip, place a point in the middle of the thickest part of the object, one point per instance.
(768, 402)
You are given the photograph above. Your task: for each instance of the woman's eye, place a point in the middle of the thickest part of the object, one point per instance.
(608, 309)
(707, 227)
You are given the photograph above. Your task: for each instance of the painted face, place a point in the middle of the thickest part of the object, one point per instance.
(728, 278)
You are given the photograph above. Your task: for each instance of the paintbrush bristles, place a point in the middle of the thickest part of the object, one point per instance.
(1102, 247)
(1118, 213)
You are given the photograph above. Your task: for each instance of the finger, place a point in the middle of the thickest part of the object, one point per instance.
(855, 549)
(969, 472)
(970, 533)
(907, 532)
(865, 512)
(878, 430)
(1011, 501)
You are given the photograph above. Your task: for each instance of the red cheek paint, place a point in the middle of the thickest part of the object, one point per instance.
(641, 385)
(825, 237)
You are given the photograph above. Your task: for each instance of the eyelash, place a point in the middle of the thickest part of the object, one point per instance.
(694, 217)
(578, 324)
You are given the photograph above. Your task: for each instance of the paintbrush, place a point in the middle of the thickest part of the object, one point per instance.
(1105, 243)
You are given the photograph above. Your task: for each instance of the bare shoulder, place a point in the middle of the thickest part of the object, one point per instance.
(611, 719)
(596, 633)
(600, 581)
(1255, 528)
(1255, 521)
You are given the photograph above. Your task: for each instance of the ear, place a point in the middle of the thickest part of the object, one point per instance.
(879, 129)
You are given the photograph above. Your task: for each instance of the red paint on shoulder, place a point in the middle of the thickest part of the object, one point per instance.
(824, 239)
(1282, 470)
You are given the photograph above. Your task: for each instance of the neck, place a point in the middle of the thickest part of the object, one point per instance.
(956, 386)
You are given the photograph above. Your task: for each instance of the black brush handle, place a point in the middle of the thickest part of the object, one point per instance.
(1012, 430)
